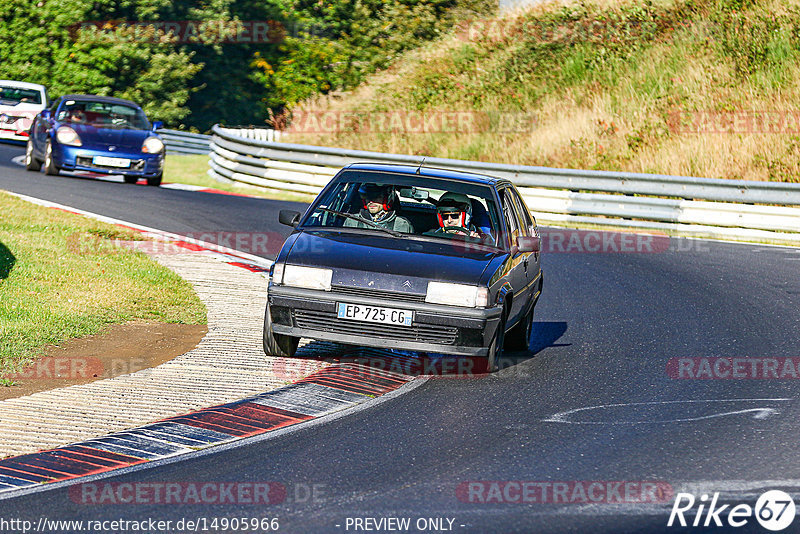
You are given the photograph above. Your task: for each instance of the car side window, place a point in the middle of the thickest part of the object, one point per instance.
(522, 213)
(508, 212)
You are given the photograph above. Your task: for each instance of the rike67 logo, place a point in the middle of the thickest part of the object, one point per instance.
(774, 510)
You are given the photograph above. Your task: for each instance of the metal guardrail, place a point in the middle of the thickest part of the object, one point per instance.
(178, 142)
(695, 206)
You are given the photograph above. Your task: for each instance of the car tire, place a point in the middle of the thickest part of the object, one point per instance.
(155, 180)
(277, 344)
(519, 337)
(49, 163)
(130, 179)
(31, 163)
(496, 347)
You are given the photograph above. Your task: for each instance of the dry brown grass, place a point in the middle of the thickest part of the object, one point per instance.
(618, 126)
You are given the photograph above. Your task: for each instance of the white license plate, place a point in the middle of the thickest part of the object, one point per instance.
(111, 162)
(375, 314)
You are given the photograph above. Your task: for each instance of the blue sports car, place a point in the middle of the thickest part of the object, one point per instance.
(96, 134)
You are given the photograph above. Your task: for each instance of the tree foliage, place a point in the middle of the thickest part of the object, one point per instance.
(327, 45)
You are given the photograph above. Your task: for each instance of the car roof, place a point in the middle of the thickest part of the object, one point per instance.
(22, 85)
(432, 172)
(104, 99)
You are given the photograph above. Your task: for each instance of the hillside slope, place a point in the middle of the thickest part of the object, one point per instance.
(690, 87)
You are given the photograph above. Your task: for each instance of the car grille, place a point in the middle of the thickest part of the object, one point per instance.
(376, 294)
(84, 161)
(329, 322)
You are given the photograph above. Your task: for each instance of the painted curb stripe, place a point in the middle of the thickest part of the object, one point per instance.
(12, 482)
(310, 399)
(176, 432)
(329, 390)
(120, 459)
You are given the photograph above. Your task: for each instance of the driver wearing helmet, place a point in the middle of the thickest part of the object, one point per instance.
(379, 206)
(454, 211)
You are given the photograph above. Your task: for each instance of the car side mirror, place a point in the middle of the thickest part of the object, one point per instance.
(157, 125)
(46, 114)
(528, 243)
(289, 218)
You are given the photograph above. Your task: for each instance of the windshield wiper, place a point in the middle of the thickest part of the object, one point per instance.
(389, 231)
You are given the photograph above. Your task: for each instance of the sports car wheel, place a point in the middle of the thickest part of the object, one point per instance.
(49, 164)
(31, 163)
(155, 180)
(277, 344)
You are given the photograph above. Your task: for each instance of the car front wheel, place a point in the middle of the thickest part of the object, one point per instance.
(155, 180)
(31, 163)
(49, 163)
(496, 348)
(277, 344)
(519, 337)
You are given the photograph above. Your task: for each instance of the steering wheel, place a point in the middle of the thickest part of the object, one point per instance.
(457, 230)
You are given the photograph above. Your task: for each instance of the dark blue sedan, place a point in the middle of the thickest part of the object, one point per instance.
(96, 134)
(412, 258)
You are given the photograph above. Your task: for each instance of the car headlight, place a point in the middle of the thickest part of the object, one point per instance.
(305, 277)
(67, 136)
(152, 145)
(457, 295)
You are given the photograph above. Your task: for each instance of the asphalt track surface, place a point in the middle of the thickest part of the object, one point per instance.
(605, 329)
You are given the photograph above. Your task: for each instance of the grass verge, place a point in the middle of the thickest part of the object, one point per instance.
(193, 170)
(62, 277)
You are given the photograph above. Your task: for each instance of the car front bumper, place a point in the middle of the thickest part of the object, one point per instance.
(71, 158)
(436, 328)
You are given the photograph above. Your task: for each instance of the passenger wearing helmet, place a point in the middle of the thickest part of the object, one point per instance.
(454, 211)
(379, 206)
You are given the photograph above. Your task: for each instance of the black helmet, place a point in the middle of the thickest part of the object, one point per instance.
(452, 202)
(385, 193)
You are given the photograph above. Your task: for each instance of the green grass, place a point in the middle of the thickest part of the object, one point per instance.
(64, 276)
(193, 170)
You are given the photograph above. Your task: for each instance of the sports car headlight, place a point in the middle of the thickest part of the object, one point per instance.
(457, 295)
(68, 136)
(307, 277)
(152, 145)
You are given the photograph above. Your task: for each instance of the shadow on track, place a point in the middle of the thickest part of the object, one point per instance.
(545, 334)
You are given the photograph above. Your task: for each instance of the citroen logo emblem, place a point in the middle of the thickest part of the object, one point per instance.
(407, 284)
(112, 148)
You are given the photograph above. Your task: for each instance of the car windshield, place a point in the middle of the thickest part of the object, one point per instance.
(19, 95)
(406, 206)
(103, 115)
